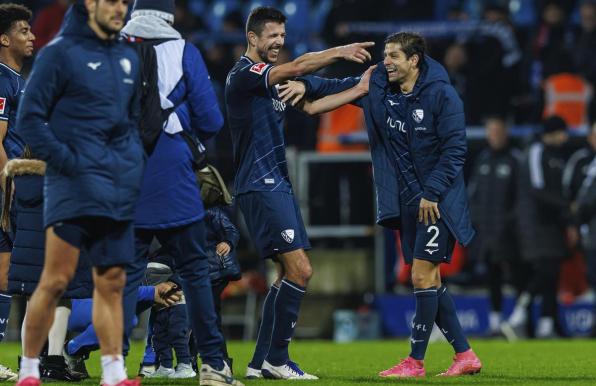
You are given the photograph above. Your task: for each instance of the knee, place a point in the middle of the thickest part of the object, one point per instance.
(110, 281)
(55, 284)
(300, 274)
(422, 280)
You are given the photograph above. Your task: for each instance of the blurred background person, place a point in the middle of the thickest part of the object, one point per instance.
(543, 214)
(492, 188)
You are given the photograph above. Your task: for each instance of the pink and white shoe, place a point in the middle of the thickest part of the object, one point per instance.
(127, 382)
(464, 363)
(407, 368)
(29, 381)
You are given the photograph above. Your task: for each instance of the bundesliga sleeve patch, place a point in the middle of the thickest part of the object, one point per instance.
(2, 105)
(258, 68)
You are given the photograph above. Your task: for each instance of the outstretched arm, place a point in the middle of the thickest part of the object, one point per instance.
(331, 102)
(312, 61)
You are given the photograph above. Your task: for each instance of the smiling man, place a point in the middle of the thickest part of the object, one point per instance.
(79, 113)
(416, 128)
(16, 44)
(263, 190)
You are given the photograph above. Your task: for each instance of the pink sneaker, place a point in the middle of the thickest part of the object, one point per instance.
(127, 382)
(407, 368)
(464, 363)
(29, 381)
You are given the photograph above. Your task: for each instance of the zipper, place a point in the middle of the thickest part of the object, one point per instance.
(116, 170)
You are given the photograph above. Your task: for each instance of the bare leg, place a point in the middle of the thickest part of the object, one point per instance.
(4, 264)
(107, 308)
(59, 267)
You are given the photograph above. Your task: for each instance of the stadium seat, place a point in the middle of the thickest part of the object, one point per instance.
(217, 12)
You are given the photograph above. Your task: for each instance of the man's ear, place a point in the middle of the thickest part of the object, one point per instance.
(415, 59)
(252, 38)
(4, 40)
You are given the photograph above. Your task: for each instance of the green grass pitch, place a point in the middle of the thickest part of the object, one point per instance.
(569, 362)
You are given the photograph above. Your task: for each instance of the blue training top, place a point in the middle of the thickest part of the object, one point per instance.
(12, 85)
(256, 116)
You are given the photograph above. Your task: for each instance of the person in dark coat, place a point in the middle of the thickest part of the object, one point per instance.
(492, 189)
(79, 114)
(543, 217)
(28, 256)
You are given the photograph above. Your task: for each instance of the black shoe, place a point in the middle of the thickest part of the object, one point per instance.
(52, 368)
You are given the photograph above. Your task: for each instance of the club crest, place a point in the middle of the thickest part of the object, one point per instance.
(288, 235)
(418, 115)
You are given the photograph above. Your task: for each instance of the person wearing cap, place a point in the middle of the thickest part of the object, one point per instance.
(79, 114)
(170, 207)
(544, 215)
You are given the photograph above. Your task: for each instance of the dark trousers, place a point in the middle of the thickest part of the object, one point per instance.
(186, 244)
(544, 281)
(170, 331)
(217, 289)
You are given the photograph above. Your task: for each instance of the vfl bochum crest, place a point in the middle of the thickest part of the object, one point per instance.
(418, 115)
(288, 235)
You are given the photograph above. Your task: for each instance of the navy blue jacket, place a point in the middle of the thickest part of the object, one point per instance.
(26, 260)
(79, 113)
(438, 150)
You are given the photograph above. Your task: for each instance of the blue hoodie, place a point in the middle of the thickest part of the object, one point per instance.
(79, 113)
(434, 118)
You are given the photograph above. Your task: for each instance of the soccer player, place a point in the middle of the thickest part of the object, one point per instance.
(79, 113)
(264, 193)
(416, 128)
(16, 44)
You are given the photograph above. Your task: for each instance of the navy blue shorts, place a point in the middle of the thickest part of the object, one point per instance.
(433, 242)
(105, 242)
(5, 241)
(274, 222)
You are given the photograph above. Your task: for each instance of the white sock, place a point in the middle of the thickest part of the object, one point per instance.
(545, 327)
(494, 320)
(520, 313)
(29, 368)
(113, 369)
(57, 333)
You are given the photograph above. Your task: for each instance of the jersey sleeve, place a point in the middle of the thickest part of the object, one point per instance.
(6, 93)
(253, 78)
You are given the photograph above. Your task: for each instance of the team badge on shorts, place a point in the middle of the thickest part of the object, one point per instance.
(288, 235)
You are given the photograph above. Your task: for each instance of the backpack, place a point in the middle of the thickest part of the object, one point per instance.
(152, 117)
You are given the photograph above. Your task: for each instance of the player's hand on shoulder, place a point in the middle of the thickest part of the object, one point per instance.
(428, 211)
(356, 52)
(292, 91)
(365, 79)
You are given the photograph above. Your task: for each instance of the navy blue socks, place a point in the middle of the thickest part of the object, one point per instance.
(448, 323)
(287, 306)
(265, 329)
(5, 300)
(424, 320)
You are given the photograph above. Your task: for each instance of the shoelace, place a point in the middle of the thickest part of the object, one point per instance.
(294, 368)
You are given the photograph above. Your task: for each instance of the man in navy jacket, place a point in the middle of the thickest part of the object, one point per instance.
(170, 206)
(416, 128)
(79, 113)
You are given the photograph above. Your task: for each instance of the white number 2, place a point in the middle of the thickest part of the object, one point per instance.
(431, 242)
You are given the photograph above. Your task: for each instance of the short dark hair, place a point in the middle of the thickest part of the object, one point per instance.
(11, 13)
(411, 44)
(262, 15)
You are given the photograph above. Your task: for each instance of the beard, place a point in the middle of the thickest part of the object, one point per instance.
(105, 27)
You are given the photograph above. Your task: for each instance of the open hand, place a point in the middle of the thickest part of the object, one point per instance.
(365, 79)
(293, 90)
(429, 210)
